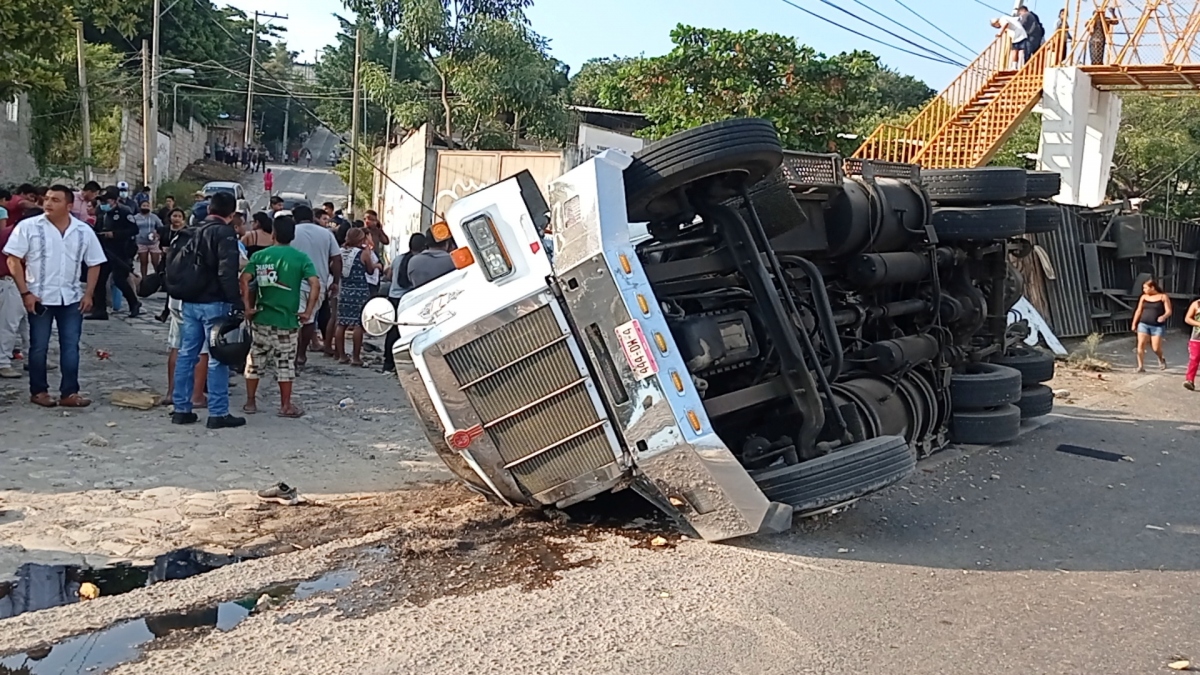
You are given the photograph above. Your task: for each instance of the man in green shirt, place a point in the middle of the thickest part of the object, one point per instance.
(271, 291)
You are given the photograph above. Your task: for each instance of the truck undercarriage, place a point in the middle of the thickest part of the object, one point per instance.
(788, 333)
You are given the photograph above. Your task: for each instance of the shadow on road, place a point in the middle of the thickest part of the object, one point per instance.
(1027, 506)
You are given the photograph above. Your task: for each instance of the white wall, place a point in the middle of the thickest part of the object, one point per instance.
(594, 140)
(1079, 135)
(409, 164)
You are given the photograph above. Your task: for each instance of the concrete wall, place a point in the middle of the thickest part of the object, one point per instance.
(16, 163)
(413, 165)
(176, 150)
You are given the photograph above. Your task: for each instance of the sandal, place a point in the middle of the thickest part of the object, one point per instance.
(358, 364)
(250, 409)
(43, 399)
(345, 360)
(74, 401)
(292, 413)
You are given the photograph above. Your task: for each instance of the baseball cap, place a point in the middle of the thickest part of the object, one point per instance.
(123, 186)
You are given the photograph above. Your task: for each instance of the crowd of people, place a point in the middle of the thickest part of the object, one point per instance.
(250, 158)
(255, 293)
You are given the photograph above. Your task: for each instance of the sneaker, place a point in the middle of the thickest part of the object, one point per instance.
(96, 317)
(9, 373)
(1189, 385)
(280, 494)
(226, 422)
(184, 418)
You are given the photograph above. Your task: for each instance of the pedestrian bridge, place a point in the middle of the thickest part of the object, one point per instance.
(1099, 47)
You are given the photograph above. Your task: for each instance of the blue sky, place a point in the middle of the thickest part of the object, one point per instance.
(580, 29)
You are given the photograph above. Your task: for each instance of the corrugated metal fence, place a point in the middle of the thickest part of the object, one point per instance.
(1100, 259)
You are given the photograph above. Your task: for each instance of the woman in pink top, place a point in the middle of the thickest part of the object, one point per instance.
(268, 181)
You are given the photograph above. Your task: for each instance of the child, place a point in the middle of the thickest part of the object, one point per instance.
(1192, 318)
(268, 181)
(277, 272)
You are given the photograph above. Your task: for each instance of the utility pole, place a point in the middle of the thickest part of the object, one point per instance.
(83, 105)
(147, 141)
(152, 120)
(283, 144)
(354, 121)
(250, 82)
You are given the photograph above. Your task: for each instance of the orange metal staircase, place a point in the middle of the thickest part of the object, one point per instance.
(969, 121)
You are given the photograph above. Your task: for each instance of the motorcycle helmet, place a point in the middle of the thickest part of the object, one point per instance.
(229, 342)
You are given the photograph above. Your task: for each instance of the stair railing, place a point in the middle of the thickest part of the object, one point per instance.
(974, 144)
(896, 143)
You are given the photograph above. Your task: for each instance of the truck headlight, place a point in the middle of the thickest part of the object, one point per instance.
(492, 257)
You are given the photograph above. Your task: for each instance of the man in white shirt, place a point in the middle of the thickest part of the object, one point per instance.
(45, 254)
(1016, 34)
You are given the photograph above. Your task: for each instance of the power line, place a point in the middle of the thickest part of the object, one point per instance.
(308, 110)
(1002, 12)
(865, 36)
(871, 9)
(935, 26)
(876, 26)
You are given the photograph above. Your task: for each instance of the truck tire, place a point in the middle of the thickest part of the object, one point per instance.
(843, 475)
(979, 223)
(986, 427)
(1042, 184)
(1043, 218)
(985, 185)
(1035, 365)
(984, 385)
(1036, 401)
(747, 146)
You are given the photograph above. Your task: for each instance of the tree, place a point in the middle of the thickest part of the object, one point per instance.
(35, 33)
(492, 77)
(57, 126)
(714, 74)
(335, 75)
(597, 82)
(1158, 153)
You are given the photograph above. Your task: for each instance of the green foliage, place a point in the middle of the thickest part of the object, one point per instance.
(714, 74)
(365, 176)
(491, 79)
(57, 128)
(1158, 150)
(335, 76)
(597, 84)
(1023, 141)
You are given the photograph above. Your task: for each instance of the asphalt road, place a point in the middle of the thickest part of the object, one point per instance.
(318, 181)
(1020, 559)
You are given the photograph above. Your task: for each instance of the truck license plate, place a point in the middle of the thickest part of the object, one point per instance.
(637, 350)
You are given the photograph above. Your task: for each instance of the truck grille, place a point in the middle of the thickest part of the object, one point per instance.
(523, 382)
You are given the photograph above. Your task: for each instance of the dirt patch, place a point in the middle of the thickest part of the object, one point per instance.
(208, 170)
(472, 547)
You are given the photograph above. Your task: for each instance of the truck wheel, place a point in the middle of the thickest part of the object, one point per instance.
(984, 185)
(984, 385)
(985, 427)
(843, 475)
(979, 223)
(746, 149)
(1036, 401)
(1042, 184)
(1042, 218)
(1035, 365)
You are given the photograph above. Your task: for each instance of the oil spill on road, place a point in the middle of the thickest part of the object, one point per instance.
(98, 652)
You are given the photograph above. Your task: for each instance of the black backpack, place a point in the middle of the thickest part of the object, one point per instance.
(187, 276)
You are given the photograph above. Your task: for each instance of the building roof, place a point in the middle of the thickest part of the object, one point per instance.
(605, 111)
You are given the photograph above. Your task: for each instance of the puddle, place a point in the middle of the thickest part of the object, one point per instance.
(100, 651)
(37, 587)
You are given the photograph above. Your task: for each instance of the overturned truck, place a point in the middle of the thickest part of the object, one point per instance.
(735, 332)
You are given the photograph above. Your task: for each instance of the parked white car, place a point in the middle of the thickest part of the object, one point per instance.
(232, 188)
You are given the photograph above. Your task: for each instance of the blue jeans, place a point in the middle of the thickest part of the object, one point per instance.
(70, 326)
(198, 320)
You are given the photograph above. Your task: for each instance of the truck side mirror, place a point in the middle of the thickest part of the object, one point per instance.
(378, 316)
